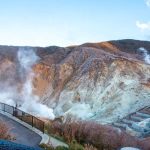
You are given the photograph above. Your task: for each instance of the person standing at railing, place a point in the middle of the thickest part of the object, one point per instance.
(16, 106)
(15, 110)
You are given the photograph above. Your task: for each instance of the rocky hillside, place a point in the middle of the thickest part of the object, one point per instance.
(100, 81)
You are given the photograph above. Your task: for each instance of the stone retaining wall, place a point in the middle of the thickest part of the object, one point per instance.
(137, 128)
(137, 118)
(120, 124)
(143, 114)
(127, 121)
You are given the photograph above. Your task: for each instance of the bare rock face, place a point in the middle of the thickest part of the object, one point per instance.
(95, 81)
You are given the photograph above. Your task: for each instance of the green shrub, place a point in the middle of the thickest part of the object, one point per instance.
(47, 128)
(43, 145)
(75, 146)
(61, 148)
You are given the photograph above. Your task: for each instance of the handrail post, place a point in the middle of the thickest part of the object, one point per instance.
(43, 127)
(13, 110)
(21, 115)
(32, 121)
(4, 107)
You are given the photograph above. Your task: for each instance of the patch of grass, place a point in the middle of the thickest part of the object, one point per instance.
(58, 138)
(61, 148)
(46, 146)
(75, 146)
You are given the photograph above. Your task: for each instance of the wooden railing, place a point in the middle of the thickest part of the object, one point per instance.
(23, 116)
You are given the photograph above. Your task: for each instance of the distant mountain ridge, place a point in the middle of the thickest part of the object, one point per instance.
(125, 45)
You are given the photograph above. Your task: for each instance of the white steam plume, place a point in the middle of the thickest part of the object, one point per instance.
(81, 110)
(146, 56)
(27, 58)
(22, 95)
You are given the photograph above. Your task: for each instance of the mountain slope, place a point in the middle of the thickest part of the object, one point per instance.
(100, 81)
(94, 82)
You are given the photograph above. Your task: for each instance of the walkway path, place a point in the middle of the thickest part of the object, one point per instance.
(45, 138)
(22, 134)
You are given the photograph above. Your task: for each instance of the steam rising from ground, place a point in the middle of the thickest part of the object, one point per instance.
(20, 92)
(81, 110)
(146, 56)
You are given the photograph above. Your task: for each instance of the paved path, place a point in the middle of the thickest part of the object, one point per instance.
(22, 134)
(8, 145)
(45, 138)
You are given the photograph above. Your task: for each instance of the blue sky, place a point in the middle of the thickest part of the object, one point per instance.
(72, 22)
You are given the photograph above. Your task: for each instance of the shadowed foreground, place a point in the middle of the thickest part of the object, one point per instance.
(21, 133)
(7, 145)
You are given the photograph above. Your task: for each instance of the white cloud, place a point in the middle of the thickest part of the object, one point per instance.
(148, 3)
(143, 26)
